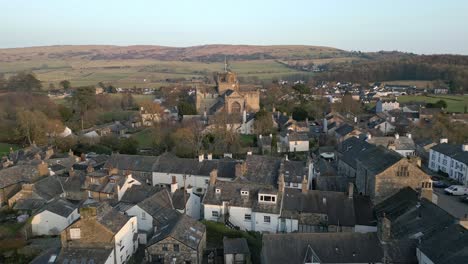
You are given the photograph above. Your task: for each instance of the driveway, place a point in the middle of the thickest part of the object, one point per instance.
(451, 204)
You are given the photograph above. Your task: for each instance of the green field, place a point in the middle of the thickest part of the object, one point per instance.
(140, 72)
(454, 103)
(144, 138)
(5, 148)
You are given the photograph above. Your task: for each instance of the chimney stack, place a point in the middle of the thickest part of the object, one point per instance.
(384, 229)
(443, 140)
(201, 157)
(397, 136)
(350, 190)
(174, 185)
(43, 169)
(213, 177)
(209, 156)
(281, 183)
(71, 172)
(304, 185)
(408, 135)
(89, 169)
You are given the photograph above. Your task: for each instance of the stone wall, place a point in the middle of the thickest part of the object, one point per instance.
(388, 182)
(165, 249)
(93, 234)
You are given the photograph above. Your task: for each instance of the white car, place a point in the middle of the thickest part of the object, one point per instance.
(456, 190)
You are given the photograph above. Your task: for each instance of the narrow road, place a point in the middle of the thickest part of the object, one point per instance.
(451, 204)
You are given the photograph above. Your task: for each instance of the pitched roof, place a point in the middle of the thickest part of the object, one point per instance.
(16, 174)
(59, 206)
(231, 191)
(169, 163)
(293, 171)
(351, 148)
(401, 143)
(412, 218)
(449, 245)
(48, 187)
(131, 162)
(83, 255)
(378, 159)
(344, 129)
(336, 205)
(137, 193)
(454, 151)
(235, 246)
(110, 217)
(325, 247)
(184, 229)
(262, 169)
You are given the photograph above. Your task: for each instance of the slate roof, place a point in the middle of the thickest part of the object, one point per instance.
(351, 148)
(293, 171)
(298, 136)
(235, 246)
(48, 187)
(262, 169)
(180, 198)
(412, 218)
(29, 204)
(16, 174)
(378, 159)
(131, 162)
(453, 151)
(137, 193)
(332, 183)
(169, 163)
(160, 207)
(402, 143)
(294, 248)
(83, 255)
(59, 206)
(344, 129)
(109, 217)
(449, 245)
(336, 205)
(231, 191)
(363, 210)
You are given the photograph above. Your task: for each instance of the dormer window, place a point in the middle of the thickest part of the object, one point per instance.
(267, 198)
(218, 190)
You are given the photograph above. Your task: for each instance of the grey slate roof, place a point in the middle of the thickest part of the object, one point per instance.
(293, 171)
(298, 136)
(336, 205)
(110, 217)
(262, 169)
(169, 163)
(294, 248)
(160, 207)
(48, 187)
(59, 206)
(453, 151)
(184, 229)
(402, 143)
(351, 148)
(29, 204)
(412, 218)
(137, 193)
(16, 174)
(378, 159)
(344, 129)
(235, 246)
(231, 191)
(449, 245)
(131, 162)
(83, 255)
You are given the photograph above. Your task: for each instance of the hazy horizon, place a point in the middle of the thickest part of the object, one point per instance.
(422, 27)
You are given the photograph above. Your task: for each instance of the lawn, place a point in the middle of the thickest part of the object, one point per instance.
(454, 103)
(144, 138)
(5, 148)
(217, 231)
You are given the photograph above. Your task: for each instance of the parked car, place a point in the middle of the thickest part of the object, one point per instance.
(456, 190)
(464, 199)
(440, 184)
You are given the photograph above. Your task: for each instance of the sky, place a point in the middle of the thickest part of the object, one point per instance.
(428, 27)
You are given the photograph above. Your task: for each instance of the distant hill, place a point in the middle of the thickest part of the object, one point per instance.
(205, 53)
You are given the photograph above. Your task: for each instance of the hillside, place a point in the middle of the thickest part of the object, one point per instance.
(195, 53)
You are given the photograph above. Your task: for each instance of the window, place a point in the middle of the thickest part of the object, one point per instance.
(176, 248)
(164, 247)
(75, 233)
(247, 217)
(403, 171)
(143, 216)
(207, 181)
(266, 219)
(214, 213)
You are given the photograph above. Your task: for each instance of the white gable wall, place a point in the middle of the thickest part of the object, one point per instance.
(47, 223)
